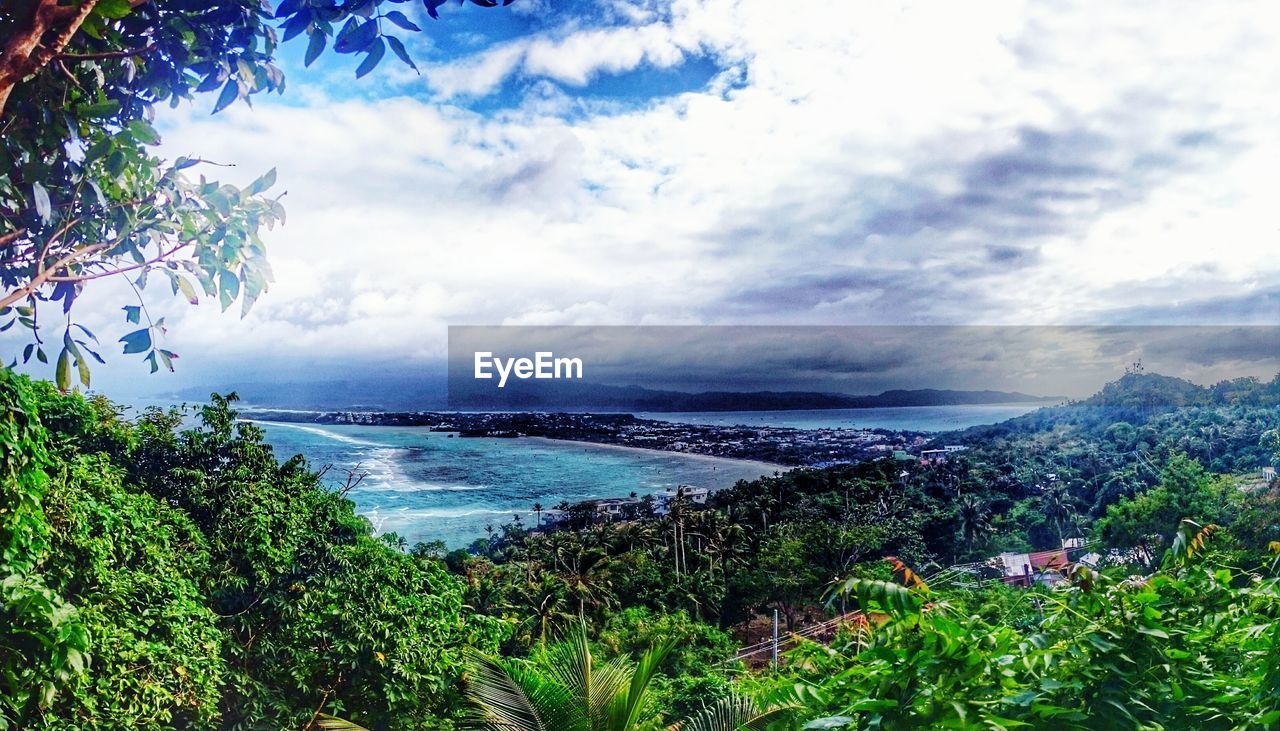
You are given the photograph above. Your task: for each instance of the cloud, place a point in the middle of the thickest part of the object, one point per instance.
(1050, 361)
(1008, 162)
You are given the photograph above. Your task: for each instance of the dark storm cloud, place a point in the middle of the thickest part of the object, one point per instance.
(1046, 184)
(1048, 361)
(1260, 307)
(1216, 345)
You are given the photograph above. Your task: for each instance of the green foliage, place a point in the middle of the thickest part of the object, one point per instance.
(1144, 522)
(44, 642)
(567, 688)
(134, 566)
(216, 587)
(1192, 646)
(173, 577)
(83, 196)
(693, 673)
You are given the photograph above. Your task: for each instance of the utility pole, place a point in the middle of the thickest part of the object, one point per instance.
(775, 638)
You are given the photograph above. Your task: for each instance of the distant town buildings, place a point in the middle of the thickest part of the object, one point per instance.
(939, 456)
(664, 499)
(1043, 568)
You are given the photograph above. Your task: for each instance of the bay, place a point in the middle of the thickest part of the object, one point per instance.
(426, 485)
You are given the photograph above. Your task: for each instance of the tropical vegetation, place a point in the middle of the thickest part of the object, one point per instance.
(168, 571)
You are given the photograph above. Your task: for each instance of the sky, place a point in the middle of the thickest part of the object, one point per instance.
(1045, 361)
(735, 162)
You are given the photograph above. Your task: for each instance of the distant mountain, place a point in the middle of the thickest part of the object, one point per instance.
(1139, 399)
(362, 394)
(586, 397)
(405, 394)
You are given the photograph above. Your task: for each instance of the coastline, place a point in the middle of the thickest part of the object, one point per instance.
(769, 467)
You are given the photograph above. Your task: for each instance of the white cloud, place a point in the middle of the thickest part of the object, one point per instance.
(999, 162)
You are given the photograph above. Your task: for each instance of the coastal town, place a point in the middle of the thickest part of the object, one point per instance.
(776, 445)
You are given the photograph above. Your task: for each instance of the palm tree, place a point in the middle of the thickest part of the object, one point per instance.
(587, 579)
(537, 508)
(547, 605)
(568, 690)
(1058, 507)
(975, 520)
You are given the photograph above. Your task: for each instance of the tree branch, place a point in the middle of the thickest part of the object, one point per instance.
(39, 280)
(132, 267)
(107, 55)
(22, 54)
(12, 236)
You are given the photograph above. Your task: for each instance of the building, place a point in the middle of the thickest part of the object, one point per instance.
(1268, 475)
(689, 493)
(1039, 567)
(619, 508)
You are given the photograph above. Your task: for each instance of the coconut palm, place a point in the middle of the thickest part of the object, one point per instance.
(568, 690)
(975, 520)
(1058, 507)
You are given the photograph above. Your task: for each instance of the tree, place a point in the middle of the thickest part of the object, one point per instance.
(82, 196)
(1188, 647)
(974, 516)
(568, 689)
(1142, 523)
(1058, 507)
(159, 578)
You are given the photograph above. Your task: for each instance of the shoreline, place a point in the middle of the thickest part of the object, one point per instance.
(769, 467)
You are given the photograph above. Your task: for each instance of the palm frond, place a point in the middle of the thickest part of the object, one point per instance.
(333, 723)
(573, 666)
(635, 705)
(512, 696)
(734, 713)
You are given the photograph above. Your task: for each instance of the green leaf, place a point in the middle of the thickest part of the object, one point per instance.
(187, 290)
(114, 9)
(132, 313)
(355, 36)
(144, 132)
(230, 92)
(228, 288)
(87, 331)
(267, 180)
(370, 62)
(82, 366)
(315, 47)
(44, 206)
(398, 48)
(63, 371)
(397, 17)
(137, 341)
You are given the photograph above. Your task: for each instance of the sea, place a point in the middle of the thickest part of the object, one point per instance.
(427, 486)
(899, 418)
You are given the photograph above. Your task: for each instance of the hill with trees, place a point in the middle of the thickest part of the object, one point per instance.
(162, 575)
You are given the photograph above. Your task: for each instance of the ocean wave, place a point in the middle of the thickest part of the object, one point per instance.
(426, 487)
(403, 514)
(337, 437)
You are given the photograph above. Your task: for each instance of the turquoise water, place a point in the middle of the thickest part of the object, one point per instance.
(900, 418)
(427, 486)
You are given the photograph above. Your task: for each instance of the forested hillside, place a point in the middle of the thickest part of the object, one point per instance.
(159, 576)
